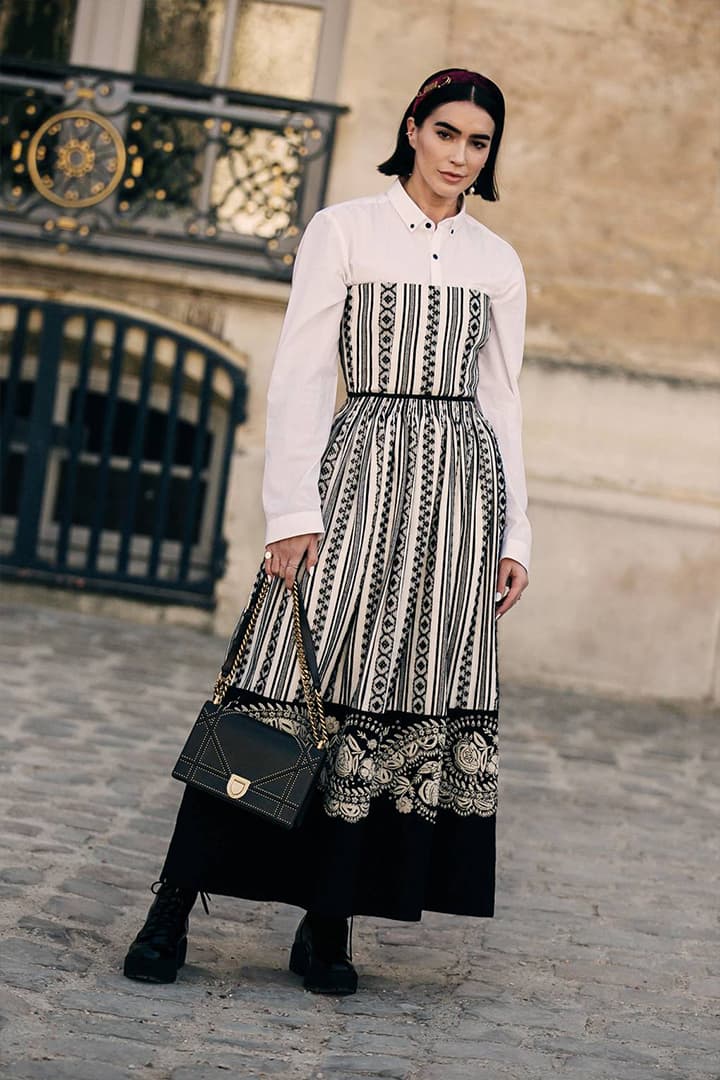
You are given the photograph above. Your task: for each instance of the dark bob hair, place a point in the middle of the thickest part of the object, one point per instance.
(452, 84)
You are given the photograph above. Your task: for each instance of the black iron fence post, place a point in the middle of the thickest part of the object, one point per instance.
(39, 435)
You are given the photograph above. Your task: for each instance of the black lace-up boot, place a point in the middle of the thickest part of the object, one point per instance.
(160, 947)
(320, 954)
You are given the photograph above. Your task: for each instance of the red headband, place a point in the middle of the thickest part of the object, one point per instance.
(456, 75)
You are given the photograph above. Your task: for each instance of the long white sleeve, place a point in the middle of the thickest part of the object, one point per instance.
(303, 383)
(498, 397)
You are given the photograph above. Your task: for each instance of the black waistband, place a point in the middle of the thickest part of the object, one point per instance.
(423, 397)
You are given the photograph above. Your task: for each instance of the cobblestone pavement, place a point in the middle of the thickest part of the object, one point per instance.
(601, 962)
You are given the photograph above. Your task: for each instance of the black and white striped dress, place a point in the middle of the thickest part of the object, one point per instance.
(401, 604)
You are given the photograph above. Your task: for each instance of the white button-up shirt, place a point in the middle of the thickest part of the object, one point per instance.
(386, 237)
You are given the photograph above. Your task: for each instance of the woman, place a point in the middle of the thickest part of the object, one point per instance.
(409, 508)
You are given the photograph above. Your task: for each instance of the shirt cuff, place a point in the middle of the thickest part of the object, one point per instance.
(305, 521)
(516, 549)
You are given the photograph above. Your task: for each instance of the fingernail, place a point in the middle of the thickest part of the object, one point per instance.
(498, 596)
(311, 571)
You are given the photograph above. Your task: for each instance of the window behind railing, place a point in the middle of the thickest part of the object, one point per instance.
(160, 170)
(38, 29)
(288, 48)
(188, 158)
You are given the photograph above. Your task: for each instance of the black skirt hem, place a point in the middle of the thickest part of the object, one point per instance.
(374, 911)
(388, 865)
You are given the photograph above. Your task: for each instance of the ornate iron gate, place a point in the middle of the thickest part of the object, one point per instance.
(115, 448)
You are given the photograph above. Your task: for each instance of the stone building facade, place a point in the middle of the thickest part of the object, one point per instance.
(609, 191)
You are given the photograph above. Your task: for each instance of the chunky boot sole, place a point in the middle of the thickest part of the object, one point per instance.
(319, 978)
(156, 969)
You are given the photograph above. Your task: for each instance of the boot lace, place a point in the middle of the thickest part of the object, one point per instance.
(205, 897)
(169, 911)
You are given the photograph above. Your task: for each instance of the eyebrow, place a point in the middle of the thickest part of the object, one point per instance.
(456, 131)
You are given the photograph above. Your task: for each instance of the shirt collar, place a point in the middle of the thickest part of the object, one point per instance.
(413, 217)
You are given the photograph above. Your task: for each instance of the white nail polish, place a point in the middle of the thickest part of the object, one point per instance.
(498, 596)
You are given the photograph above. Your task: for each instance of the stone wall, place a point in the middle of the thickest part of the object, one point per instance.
(608, 182)
(609, 191)
(609, 172)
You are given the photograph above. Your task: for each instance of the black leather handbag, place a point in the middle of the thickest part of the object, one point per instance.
(263, 757)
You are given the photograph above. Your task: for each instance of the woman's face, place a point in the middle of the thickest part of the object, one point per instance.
(451, 146)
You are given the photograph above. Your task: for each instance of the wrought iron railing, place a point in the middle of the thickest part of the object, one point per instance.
(144, 167)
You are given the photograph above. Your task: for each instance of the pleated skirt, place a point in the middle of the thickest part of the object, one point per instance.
(402, 610)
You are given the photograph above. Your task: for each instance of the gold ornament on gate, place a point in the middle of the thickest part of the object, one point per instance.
(76, 158)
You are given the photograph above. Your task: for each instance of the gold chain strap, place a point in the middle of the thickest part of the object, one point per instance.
(224, 682)
(316, 713)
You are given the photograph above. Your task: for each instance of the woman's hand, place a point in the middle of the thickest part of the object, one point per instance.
(513, 575)
(287, 553)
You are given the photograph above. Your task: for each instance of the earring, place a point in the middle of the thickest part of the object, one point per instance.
(473, 189)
